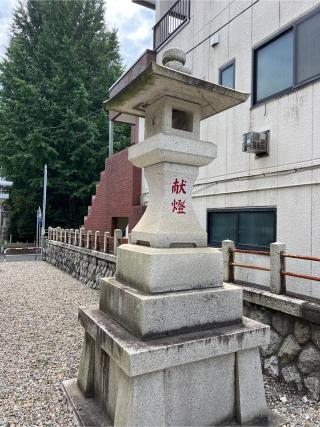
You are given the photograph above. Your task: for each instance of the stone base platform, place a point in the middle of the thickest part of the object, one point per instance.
(87, 412)
(210, 377)
(155, 270)
(168, 313)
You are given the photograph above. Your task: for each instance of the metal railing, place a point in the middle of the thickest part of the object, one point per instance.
(277, 266)
(284, 273)
(175, 17)
(233, 264)
(20, 251)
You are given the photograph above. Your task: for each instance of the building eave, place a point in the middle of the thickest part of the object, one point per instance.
(150, 4)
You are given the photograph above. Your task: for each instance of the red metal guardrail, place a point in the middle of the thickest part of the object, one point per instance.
(300, 276)
(233, 264)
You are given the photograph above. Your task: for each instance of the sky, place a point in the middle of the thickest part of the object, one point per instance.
(134, 24)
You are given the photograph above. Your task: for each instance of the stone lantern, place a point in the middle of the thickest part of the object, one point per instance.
(168, 344)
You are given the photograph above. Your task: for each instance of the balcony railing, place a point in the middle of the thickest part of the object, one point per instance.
(176, 16)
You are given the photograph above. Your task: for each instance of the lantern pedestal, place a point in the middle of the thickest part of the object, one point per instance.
(209, 377)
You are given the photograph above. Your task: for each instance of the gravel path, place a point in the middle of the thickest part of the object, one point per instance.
(298, 409)
(41, 340)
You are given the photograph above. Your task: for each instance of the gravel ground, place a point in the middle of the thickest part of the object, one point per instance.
(41, 342)
(295, 407)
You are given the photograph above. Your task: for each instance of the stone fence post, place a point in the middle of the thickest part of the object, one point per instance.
(70, 240)
(89, 234)
(81, 234)
(96, 240)
(105, 241)
(49, 233)
(228, 270)
(76, 237)
(117, 235)
(58, 234)
(277, 263)
(66, 233)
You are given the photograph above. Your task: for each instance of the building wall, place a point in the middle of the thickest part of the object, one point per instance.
(117, 195)
(289, 177)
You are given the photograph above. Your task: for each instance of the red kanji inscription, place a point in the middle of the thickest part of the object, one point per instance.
(178, 206)
(178, 187)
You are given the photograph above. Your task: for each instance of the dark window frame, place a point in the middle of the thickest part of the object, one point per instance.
(239, 210)
(224, 67)
(290, 27)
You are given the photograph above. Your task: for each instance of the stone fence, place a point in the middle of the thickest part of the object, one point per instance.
(85, 255)
(88, 239)
(294, 351)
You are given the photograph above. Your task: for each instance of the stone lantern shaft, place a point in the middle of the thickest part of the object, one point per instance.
(171, 155)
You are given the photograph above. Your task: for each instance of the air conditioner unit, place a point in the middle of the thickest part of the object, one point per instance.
(256, 142)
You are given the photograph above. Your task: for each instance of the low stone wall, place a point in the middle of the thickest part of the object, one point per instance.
(86, 265)
(294, 351)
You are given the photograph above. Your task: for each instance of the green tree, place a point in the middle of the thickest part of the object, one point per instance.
(60, 62)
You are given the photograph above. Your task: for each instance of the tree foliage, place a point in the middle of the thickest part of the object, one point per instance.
(60, 62)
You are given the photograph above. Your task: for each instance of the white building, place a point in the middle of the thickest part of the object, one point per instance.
(270, 48)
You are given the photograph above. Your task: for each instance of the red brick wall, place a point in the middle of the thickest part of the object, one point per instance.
(117, 195)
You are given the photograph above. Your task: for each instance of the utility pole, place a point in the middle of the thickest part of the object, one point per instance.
(44, 202)
(1, 226)
(39, 225)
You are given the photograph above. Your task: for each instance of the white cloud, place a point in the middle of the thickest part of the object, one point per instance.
(6, 9)
(120, 10)
(142, 33)
(134, 24)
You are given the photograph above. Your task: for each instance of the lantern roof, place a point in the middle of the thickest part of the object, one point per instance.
(156, 81)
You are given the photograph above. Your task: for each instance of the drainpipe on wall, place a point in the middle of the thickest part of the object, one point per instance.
(110, 138)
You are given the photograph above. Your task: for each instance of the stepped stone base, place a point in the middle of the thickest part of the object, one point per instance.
(211, 377)
(155, 270)
(152, 315)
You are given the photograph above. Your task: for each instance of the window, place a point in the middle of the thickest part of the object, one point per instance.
(308, 48)
(253, 228)
(227, 75)
(287, 60)
(274, 66)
